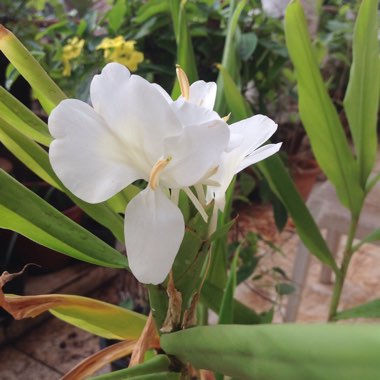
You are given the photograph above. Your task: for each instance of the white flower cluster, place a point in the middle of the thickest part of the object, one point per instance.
(135, 131)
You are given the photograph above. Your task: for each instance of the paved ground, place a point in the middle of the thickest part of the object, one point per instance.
(54, 347)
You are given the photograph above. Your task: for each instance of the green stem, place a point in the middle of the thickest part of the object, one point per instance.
(158, 300)
(342, 273)
(202, 314)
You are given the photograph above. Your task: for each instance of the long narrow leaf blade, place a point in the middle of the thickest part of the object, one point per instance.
(280, 352)
(24, 212)
(367, 310)
(28, 152)
(229, 58)
(235, 99)
(185, 51)
(94, 362)
(47, 91)
(226, 312)
(362, 97)
(212, 296)
(97, 317)
(319, 115)
(22, 118)
(282, 185)
(159, 363)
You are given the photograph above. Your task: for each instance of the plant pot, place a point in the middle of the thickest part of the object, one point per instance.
(305, 173)
(6, 165)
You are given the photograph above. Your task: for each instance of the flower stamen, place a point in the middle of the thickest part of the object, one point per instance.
(183, 82)
(226, 118)
(158, 167)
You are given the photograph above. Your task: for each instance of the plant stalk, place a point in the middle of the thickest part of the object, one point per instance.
(342, 273)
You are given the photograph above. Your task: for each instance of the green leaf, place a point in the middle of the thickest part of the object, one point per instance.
(119, 202)
(158, 376)
(188, 265)
(97, 317)
(217, 274)
(319, 115)
(279, 212)
(47, 91)
(367, 310)
(362, 96)
(185, 51)
(159, 363)
(282, 185)
(229, 58)
(28, 152)
(284, 288)
(280, 352)
(158, 300)
(22, 118)
(372, 182)
(226, 312)
(235, 100)
(212, 296)
(102, 319)
(222, 231)
(82, 26)
(151, 9)
(247, 45)
(190, 259)
(116, 15)
(24, 212)
(103, 214)
(11, 75)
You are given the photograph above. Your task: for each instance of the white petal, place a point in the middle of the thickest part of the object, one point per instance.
(87, 158)
(163, 92)
(194, 153)
(135, 109)
(255, 130)
(258, 155)
(236, 140)
(191, 114)
(154, 229)
(107, 87)
(203, 94)
(224, 175)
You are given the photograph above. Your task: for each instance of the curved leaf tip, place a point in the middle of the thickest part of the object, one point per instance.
(4, 32)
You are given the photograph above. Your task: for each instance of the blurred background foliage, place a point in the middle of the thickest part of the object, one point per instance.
(47, 27)
(73, 40)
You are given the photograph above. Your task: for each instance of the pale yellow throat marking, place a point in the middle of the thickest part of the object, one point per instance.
(183, 82)
(158, 167)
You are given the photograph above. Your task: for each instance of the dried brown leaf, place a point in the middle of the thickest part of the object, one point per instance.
(93, 363)
(148, 338)
(173, 316)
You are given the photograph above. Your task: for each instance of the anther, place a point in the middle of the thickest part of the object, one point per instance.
(183, 82)
(158, 167)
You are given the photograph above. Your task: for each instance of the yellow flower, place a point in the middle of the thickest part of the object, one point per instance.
(109, 43)
(119, 50)
(71, 50)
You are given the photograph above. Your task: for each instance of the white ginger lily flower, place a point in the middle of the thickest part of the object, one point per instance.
(196, 103)
(247, 135)
(132, 132)
(245, 144)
